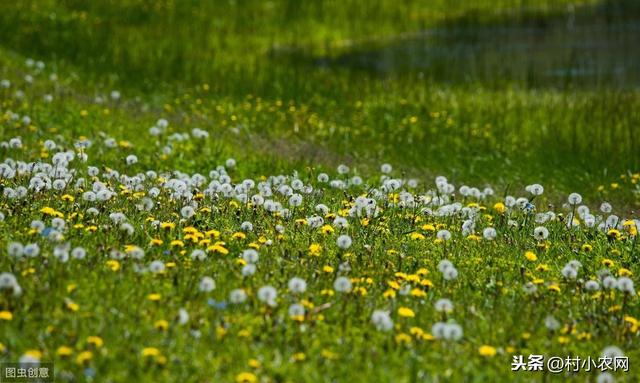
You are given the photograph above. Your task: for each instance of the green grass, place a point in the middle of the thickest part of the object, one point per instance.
(495, 133)
(247, 72)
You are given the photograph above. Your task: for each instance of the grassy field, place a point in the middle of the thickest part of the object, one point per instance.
(201, 240)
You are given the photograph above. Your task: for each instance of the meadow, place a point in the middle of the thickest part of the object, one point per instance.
(285, 191)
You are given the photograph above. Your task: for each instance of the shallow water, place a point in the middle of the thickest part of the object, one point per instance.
(574, 49)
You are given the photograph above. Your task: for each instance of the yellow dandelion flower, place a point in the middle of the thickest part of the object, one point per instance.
(531, 256)
(35, 354)
(416, 236)
(246, 377)
(487, 351)
(622, 272)
(167, 225)
(150, 352)
(403, 338)
(156, 242)
(72, 306)
(428, 227)
(113, 265)
(6, 315)
(327, 229)
(500, 208)
(95, 341)
(176, 243)
(315, 249)
(389, 294)
(84, 357)
(554, 287)
(161, 325)
(328, 354)
(406, 312)
(218, 248)
(64, 351)
(154, 297)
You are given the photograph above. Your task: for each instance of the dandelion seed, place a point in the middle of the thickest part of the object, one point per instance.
(574, 199)
(489, 233)
(551, 323)
(344, 242)
(342, 285)
(206, 285)
(296, 310)
(297, 285)
(237, 296)
(268, 295)
(381, 320)
(443, 305)
(157, 267)
(540, 233)
(250, 256)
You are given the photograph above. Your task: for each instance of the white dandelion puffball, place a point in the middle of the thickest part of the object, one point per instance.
(574, 199)
(297, 285)
(268, 295)
(207, 284)
(382, 320)
(344, 242)
(342, 285)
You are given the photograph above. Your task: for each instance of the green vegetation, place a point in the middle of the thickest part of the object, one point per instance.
(105, 260)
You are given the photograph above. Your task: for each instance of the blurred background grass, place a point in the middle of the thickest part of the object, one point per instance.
(496, 91)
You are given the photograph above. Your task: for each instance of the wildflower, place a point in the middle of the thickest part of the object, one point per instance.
(95, 341)
(381, 320)
(540, 233)
(246, 377)
(444, 235)
(84, 357)
(487, 351)
(625, 285)
(344, 241)
(237, 296)
(612, 352)
(150, 352)
(406, 312)
(268, 295)
(6, 315)
(489, 233)
(250, 256)
(531, 256)
(161, 325)
(574, 199)
(207, 284)
(296, 311)
(551, 323)
(154, 297)
(315, 249)
(156, 267)
(64, 351)
(297, 285)
(444, 305)
(342, 285)
(591, 285)
(499, 207)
